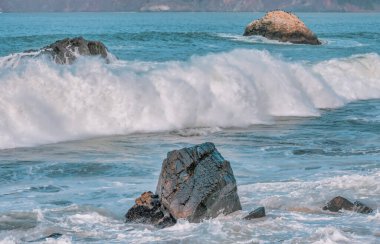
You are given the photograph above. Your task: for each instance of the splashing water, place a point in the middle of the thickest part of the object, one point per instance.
(46, 103)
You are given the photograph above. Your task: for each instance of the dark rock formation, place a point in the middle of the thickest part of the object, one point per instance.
(66, 51)
(339, 203)
(282, 26)
(147, 210)
(197, 183)
(256, 214)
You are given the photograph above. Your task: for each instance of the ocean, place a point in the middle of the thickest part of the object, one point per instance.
(300, 125)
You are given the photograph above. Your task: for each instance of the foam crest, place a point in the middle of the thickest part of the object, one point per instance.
(43, 102)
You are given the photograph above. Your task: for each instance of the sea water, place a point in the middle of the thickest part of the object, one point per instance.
(300, 125)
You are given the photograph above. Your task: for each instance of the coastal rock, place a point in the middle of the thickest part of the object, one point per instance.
(256, 214)
(197, 183)
(282, 26)
(67, 50)
(147, 210)
(339, 203)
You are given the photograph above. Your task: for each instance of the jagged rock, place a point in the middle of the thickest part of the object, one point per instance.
(66, 51)
(282, 26)
(255, 214)
(197, 183)
(339, 203)
(147, 210)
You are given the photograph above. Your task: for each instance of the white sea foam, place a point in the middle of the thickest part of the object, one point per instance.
(8, 240)
(61, 240)
(42, 102)
(197, 131)
(331, 235)
(344, 43)
(80, 219)
(252, 39)
(291, 196)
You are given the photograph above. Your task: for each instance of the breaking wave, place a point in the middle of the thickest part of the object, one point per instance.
(42, 102)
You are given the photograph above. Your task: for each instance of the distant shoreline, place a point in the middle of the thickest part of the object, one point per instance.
(294, 11)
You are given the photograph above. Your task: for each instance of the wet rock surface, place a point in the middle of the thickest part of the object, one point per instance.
(67, 50)
(256, 214)
(282, 26)
(147, 210)
(341, 203)
(197, 183)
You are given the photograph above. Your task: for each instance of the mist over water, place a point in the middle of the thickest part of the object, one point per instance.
(300, 125)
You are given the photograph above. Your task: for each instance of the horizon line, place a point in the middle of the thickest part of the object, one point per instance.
(192, 11)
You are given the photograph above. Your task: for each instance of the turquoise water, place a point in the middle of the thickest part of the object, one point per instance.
(178, 36)
(300, 125)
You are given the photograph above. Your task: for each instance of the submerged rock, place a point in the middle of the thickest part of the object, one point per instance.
(51, 236)
(282, 26)
(197, 183)
(339, 203)
(256, 214)
(147, 210)
(67, 50)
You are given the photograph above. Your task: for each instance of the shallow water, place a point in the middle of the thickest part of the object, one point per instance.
(82, 188)
(299, 124)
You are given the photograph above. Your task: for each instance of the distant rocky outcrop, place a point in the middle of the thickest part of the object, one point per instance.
(67, 50)
(195, 183)
(282, 26)
(339, 203)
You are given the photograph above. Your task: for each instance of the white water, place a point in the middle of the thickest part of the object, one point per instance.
(293, 208)
(42, 102)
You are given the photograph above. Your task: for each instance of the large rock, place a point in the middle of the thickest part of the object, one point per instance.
(339, 203)
(197, 183)
(67, 50)
(282, 26)
(148, 210)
